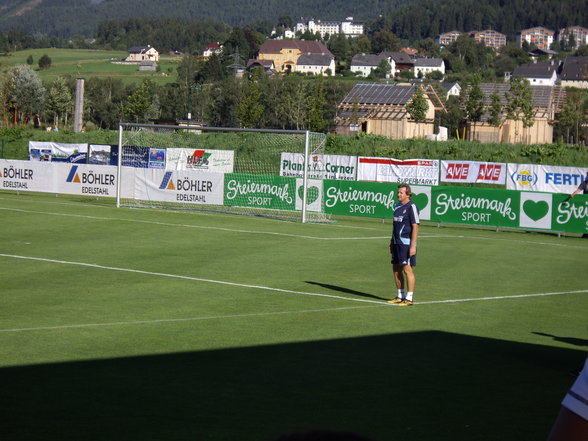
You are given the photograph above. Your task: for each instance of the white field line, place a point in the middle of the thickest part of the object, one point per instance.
(274, 233)
(196, 279)
(188, 319)
(167, 224)
(373, 303)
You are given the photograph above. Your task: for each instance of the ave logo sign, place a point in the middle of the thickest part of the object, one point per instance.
(473, 172)
(458, 171)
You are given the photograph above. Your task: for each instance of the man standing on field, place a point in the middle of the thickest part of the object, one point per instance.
(403, 245)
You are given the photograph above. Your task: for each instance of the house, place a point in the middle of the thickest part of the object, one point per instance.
(285, 53)
(381, 109)
(490, 38)
(266, 65)
(574, 72)
(446, 38)
(315, 64)
(578, 35)
(539, 36)
(538, 74)
(453, 89)
(211, 48)
(285, 33)
(547, 101)
(424, 66)
(363, 64)
(142, 53)
(402, 61)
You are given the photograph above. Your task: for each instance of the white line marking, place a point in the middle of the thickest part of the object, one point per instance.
(189, 319)
(197, 279)
(519, 296)
(267, 314)
(167, 224)
(373, 302)
(273, 233)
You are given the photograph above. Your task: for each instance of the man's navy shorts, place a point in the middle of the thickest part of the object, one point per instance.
(400, 255)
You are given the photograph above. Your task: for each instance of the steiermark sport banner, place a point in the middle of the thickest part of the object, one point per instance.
(510, 208)
(370, 199)
(260, 191)
(461, 205)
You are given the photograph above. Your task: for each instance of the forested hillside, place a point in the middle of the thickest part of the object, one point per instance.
(408, 19)
(428, 18)
(67, 17)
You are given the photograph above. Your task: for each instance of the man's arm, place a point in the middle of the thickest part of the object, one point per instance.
(413, 239)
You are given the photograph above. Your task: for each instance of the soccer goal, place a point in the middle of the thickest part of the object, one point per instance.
(271, 173)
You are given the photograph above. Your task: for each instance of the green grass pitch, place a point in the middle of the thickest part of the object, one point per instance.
(130, 324)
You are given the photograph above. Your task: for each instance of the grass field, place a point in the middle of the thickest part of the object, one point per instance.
(127, 324)
(88, 63)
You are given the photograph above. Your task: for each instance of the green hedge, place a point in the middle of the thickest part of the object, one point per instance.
(14, 145)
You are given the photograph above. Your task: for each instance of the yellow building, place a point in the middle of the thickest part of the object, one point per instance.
(285, 53)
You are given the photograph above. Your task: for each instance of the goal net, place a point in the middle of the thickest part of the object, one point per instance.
(241, 171)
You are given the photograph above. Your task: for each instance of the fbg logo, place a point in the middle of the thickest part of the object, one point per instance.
(524, 178)
(489, 172)
(458, 171)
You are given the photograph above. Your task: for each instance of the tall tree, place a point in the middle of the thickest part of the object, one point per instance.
(250, 107)
(495, 110)
(475, 103)
(317, 107)
(418, 106)
(519, 105)
(143, 104)
(59, 101)
(27, 97)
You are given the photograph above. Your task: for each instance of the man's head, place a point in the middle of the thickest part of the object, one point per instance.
(404, 193)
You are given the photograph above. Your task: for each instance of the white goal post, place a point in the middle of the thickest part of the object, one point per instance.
(259, 172)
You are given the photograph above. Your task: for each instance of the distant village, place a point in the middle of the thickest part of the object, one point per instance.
(381, 107)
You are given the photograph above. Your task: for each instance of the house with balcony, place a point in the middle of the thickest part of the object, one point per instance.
(577, 34)
(490, 38)
(446, 38)
(539, 36)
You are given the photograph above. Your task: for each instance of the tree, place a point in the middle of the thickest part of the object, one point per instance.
(519, 105)
(572, 114)
(30, 60)
(285, 21)
(418, 106)
(383, 70)
(250, 108)
(44, 62)
(385, 41)
(475, 103)
(59, 101)
(24, 94)
(495, 110)
(143, 104)
(317, 107)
